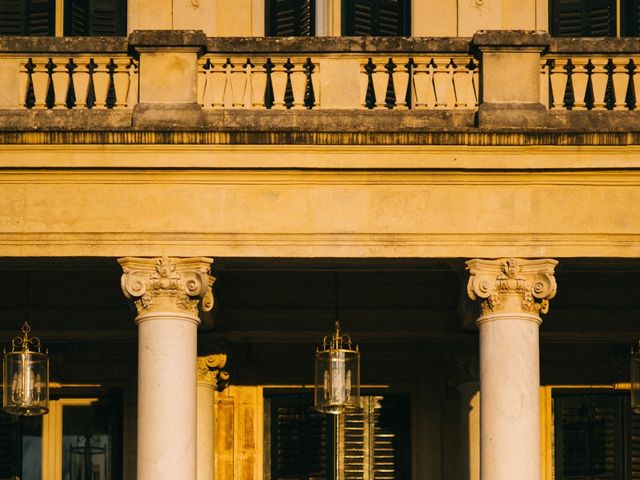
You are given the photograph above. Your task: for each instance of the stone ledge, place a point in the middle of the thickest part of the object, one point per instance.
(595, 45)
(66, 45)
(511, 38)
(168, 39)
(310, 45)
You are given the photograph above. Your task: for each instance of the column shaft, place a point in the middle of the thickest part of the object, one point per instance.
(206, 431)
(167, 396)
(510, 405)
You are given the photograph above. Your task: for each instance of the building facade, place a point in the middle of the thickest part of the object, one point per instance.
(193, 191)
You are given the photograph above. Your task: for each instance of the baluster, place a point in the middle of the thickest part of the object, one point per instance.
(599, 77)
(258, 80)
(410, 92)
(635, 81)
(279, 83)
(580, 72)
(309, 93)
(559, 80)
(268, 89)
(400, 79)
(40, 80)
(25, 83)
(238, 85)
(101, 81)
(288, 89)
(227, 99)
(422, 82)
(381, 84)
(620, 79)
(247, 96)
(298, 84)
(390, 93)
(463, 83)
(218, 77)
(121, 83)
(367, 89)
(132, 95)
(545, 79)
(443, 81)
(203, 83)
(81, 82)
(60, 79)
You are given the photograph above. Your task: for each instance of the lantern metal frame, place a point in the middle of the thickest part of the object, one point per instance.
(25, 376)
(337, 382)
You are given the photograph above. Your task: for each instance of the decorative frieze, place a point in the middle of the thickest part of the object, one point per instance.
(512, 285)
(209, 371)
(182, 285)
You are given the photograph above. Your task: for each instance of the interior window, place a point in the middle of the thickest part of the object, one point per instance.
(596, 435)
(290, 18)
(79, 17)
(376, 17)
(304, 444)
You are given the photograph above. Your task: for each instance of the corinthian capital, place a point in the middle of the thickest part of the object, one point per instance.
(168, 284)
(512, 285)
(209, 370)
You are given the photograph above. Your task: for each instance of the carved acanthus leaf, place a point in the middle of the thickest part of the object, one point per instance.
(512, 285)
(168, 284)
(209, 370)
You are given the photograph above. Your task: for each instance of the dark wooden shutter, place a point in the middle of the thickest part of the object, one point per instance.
(376, 17)
(375, 440)
(589, 436)
(95, 17)
(290, 18)
(9, 447)
(583, 18)
(300, 439)
(27, 17)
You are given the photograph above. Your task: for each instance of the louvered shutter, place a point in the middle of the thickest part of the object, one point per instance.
(589, 436)
(95, 17)
(300, 439)
(9, 447)
(27, 17)
(290, 18)
(376, 17)
(375, 440)
(634, 445)
(576, 18)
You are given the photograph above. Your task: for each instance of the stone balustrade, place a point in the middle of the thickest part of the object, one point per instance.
(161, 75)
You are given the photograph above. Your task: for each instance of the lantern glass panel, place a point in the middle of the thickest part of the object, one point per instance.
(337, 386)
(26, 383)
(635, 379)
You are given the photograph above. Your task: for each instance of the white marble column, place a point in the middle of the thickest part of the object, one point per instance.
(210, 380)
(512, 293)
(168, 294)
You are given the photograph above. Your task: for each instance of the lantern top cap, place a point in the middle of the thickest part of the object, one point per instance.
(25, 343)
(337, 341)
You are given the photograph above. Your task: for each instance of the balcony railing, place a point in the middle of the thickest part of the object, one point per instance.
(349, 74)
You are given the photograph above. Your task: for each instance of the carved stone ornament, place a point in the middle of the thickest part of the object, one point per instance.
(209, 370)
(512, 285)
(168, 284)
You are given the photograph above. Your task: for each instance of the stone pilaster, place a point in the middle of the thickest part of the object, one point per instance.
(512, 293)
(168, 293)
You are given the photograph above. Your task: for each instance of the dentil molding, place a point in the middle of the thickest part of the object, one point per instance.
(181, 285)
(512, 285)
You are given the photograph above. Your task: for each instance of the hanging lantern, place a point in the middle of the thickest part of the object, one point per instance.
(337, 374)
(635, 378)
(25, 376)
(88, 459)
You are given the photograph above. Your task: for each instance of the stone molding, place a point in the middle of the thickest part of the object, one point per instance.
(164, 284)
(209, 371)
(512, 285)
